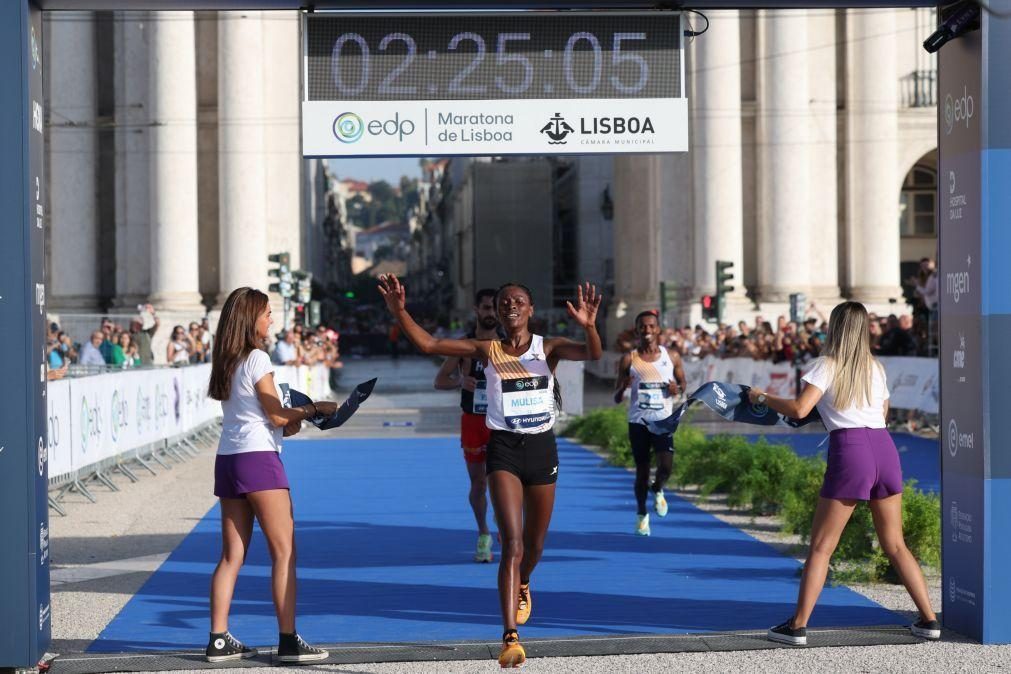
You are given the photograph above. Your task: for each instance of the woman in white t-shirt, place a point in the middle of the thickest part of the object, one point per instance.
(848, 388)
(249, 478)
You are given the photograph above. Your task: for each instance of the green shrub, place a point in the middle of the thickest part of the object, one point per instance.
(769, 478)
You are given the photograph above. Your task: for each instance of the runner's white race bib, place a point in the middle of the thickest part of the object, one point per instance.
(481, 397)
(651, 395)
(526, 403)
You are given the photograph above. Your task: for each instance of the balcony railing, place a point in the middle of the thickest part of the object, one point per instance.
(919, 89)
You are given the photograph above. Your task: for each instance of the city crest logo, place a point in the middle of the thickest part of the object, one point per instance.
(557, 129)
(348, 127)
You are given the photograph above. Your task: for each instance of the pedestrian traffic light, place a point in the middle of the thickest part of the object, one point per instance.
(709, 309)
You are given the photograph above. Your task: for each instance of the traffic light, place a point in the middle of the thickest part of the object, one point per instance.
(798, 302)
(304, 286)
(282, 273)
(709, 309)
(724, 275)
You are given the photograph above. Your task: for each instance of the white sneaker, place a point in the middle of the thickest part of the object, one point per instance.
(660, 504)
(642, 525)
(483, 553)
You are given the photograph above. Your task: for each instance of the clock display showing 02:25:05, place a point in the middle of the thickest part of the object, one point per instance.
(626, 57)
(520, 65)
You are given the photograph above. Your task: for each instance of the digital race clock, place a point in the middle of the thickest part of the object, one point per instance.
(480, 83)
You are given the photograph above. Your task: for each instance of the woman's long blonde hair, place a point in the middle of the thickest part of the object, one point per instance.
(848, 350)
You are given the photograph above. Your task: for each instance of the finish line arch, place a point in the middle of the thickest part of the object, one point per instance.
(974, 241)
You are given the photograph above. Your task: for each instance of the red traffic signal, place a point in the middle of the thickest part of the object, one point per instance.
(710, 312)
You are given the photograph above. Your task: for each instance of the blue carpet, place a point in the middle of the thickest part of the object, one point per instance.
(920, 457)
(385, 537)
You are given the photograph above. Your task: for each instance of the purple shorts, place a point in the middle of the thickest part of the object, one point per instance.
(863, 464)
(236, 475)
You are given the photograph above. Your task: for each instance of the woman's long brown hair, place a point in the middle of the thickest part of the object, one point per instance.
(236, 338)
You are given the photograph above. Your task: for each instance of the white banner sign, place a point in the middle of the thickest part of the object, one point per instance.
(912, 382)
(60, 439)
(500, 127)
(96, 418)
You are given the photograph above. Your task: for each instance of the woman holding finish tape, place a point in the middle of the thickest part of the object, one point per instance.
(249, 478)
(848, 387)
(522, 459)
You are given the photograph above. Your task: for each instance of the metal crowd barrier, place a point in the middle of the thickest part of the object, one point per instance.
(164, 453)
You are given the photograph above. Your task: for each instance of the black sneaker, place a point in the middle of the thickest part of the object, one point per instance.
(926, 629)
(293, 649)
(787, 634)
(223, 646)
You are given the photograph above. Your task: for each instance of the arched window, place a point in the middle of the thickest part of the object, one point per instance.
(918, 204)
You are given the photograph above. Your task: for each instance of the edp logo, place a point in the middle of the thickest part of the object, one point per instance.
(958, 110)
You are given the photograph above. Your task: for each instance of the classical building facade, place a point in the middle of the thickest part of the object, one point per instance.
(174, 160)
(812, 167)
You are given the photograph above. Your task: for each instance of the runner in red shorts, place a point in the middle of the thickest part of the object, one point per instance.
(468, 375)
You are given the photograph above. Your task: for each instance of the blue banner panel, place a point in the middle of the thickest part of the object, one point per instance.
(974, 221)
(25, 613)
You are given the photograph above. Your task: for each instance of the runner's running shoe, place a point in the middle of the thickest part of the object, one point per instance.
(525, 605)
(222, 647)
(512, 653)
(292, 648)
(926, 629)
(660, 504)
(483, 553)
(642, 525)
(786, 633)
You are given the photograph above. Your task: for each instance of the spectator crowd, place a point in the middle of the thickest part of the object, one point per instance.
(788, 341)
(302, 345)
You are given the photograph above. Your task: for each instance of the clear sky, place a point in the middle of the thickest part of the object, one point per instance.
(388, 169)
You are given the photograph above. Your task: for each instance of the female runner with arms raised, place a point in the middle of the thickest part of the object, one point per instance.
(522, 459)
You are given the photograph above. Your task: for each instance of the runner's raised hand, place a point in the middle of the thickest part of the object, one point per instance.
(588, 301)
(393, 293)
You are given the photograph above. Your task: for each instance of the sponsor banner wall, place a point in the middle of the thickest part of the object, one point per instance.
(197, 407)
(96, 418)
(60, 439)
(912, 382)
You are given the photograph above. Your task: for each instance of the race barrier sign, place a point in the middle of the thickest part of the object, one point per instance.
(94, 419)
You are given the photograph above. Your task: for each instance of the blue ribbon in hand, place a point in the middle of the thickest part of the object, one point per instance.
(731, 402)
(360, 394)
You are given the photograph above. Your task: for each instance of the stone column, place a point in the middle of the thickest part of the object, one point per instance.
(133, 211)
(241, 161)
(173, 142)
(72, 162)
(636, 194)
(716, 155)
(784, 221)
(652, 238)
(282, 134)
(873, 182)
(823, 193)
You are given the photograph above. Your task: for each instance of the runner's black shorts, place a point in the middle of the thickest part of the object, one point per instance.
(532, 457)
(643, 441)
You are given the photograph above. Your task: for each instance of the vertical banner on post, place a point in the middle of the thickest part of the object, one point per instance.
(995, 213)
(975, 167)
(961, 335)
(25, 620)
